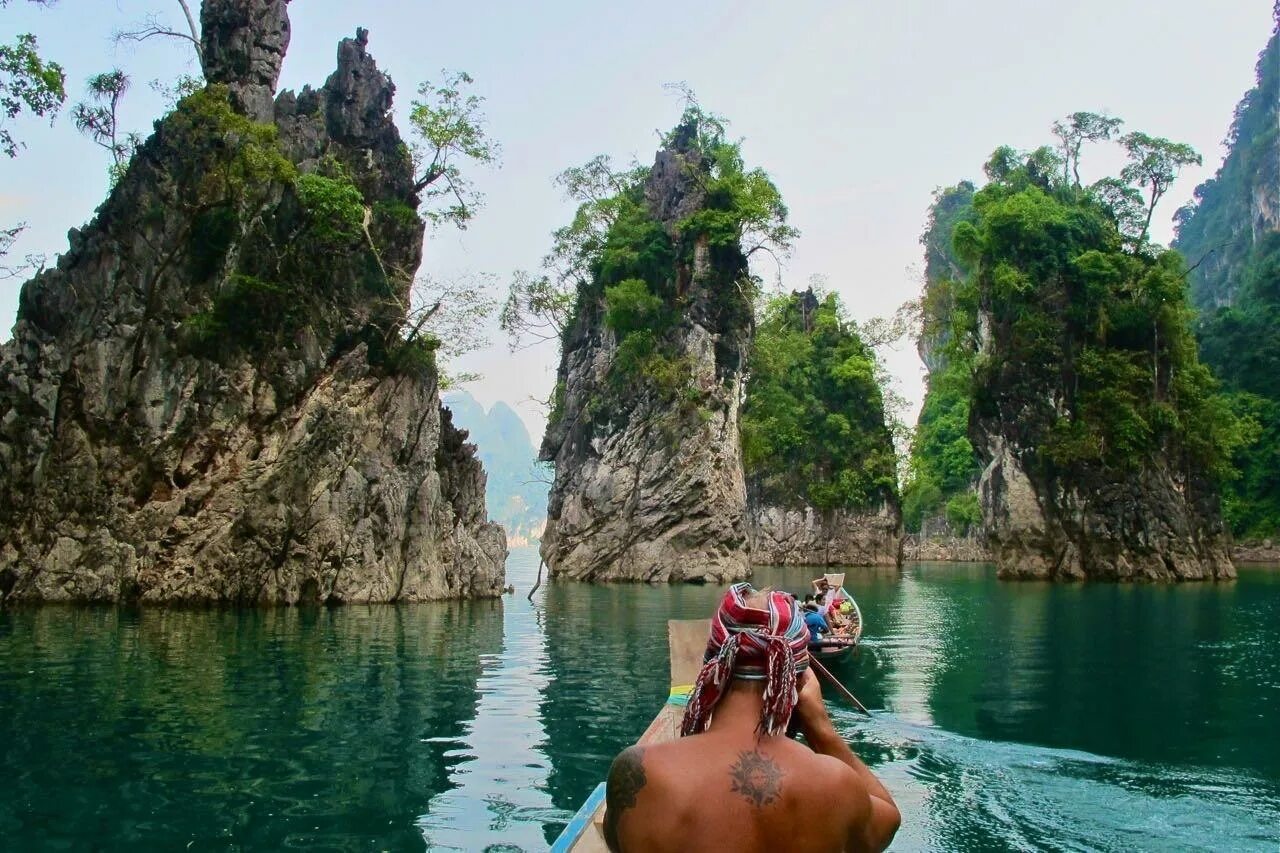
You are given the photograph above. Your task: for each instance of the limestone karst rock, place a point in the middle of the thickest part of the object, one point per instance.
(818, 454)
(1096, 441)
(1009, 371)
(243, 43)
(1223, 231)
(783, 536)
(208, 399)
(647, 489)
(1158, 525)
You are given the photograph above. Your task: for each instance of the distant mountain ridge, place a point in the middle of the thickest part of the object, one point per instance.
(516, 490)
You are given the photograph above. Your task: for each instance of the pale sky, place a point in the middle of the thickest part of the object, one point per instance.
(857, 109)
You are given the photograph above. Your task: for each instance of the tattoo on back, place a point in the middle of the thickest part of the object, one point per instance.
(626, 778)
(757, 777)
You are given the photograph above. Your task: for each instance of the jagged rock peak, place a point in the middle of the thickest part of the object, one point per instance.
(208, 399)
(243, 43)
(360, 94)
(674, 190)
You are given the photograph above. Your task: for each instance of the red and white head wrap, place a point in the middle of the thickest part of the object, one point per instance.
(769, 644)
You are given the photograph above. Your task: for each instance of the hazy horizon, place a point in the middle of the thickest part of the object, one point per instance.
(858, 113)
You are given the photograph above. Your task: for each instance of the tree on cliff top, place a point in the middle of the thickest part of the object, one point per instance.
(612, 238)
(98, 118)
(450, 135)
(813, 420)
(1089, 361)
(617, 266)
(1090, 355)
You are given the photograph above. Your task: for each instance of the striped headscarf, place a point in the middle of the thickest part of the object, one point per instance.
(769, 645)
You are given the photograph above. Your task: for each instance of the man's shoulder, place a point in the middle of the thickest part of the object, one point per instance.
(648, 765)
(832, 768)
(660, 757)
(841, 786)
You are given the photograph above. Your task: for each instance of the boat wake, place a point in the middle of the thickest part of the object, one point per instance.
(961, 793)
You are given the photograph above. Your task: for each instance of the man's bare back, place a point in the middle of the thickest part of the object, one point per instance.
(730, 789)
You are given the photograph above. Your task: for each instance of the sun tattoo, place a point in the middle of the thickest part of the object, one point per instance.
(756, 777)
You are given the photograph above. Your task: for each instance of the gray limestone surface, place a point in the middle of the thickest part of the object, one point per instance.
(201, 403)
(646, 490)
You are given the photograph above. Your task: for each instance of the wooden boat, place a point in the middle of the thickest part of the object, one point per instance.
(834, 650)
(688, 641)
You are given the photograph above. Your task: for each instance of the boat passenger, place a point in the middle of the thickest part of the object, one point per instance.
(735, 781)
(813, 619)
(837, 622)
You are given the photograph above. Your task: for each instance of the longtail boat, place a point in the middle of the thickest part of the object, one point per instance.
(687, 640)
(831, 650)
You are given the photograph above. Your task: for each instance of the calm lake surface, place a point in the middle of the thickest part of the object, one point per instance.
(1016, 716)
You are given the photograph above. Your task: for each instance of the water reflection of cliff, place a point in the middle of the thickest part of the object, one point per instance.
(261, 729)
(608, 657)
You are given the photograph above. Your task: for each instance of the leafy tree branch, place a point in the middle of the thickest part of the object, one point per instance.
(98, 118)
(449, 130)
(28, 83)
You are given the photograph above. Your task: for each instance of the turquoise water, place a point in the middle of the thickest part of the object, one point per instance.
(1021, 716)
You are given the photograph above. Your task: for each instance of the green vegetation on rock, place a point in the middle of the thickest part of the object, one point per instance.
(813, 421)
(249, 314)
(1231, 235)
(1216, 230)
(334, 205)
(617, 261)
(943, 465)
(1091, 341)
(1088, 361)
(222, 156)
(274, 287)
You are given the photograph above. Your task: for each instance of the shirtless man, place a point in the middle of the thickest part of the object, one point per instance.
(733, 786)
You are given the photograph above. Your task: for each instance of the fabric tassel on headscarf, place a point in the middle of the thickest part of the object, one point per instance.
(769, 644)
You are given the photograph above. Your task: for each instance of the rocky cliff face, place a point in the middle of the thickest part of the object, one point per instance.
(944, 549)
(646, 489)
(1235, 209)
(1159, 524)
(795, 537)
(208, 399)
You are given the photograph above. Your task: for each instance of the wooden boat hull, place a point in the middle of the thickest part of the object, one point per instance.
(829, 655)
